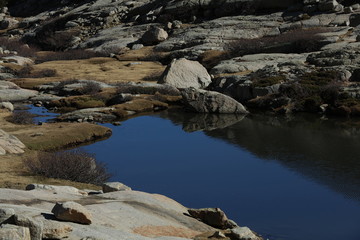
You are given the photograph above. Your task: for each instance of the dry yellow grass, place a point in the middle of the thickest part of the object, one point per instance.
(108, 70)
(47, 136)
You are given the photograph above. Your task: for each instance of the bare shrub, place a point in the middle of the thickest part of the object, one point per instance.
(151, 90)
(155, 76)
(69, 55)
(76, 165)
(29, 72)
(90, 88)
(17, 45)
(22, 117)
(295, 41)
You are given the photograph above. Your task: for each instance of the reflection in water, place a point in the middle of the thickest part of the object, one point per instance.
(250, 177)
(326, 151)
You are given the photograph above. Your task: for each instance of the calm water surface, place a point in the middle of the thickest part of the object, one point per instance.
(291, 179)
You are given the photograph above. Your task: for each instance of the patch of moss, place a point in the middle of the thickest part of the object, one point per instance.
(78, 102)
(318, 78)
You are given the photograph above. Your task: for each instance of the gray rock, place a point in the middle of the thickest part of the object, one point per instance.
(12, 232)
(203, 101)
(243, 233)
(114, 186)
(214, 217)
(7, 105)
(89, 114)
(6, 215)
(73, 212)
(10, 144)
(35, 227)
(54, 189)
(183, 73)
(56, 230)
(154, 36)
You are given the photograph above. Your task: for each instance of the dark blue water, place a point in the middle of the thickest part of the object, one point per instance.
(286, 180)
(41, 114)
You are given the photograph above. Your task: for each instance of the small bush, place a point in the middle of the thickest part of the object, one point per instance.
(295, 41)
(75, 54)
(90, 88)
(22, 117)
(75, 165)
(29, 72)
(17, 45)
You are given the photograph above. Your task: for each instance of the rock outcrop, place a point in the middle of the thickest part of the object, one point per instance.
(203, 101)
(119, 215)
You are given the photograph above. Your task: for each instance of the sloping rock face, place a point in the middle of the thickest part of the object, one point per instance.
(121, 215)
(10, 92)
(203, 101)
(10, 144)
(183, 73)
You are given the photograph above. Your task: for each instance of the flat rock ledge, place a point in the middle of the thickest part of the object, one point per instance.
(120, 215)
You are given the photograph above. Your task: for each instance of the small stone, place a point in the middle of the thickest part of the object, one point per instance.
(114, 186)
(73, 212)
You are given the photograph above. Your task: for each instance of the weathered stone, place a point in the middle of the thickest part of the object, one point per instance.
(73, 212)
(6, 215)
(154, 36)
(56, 230)
(203, 101)
(7, 105)
(328, 5)
(114, 186)
(243, 233)
(214, 217)
(10, 144)
(12, 232)
(183, 73)
(36, 227)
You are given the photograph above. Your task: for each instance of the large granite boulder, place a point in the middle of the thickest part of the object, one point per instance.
(183, 73)
(202, 101)
(73, 212)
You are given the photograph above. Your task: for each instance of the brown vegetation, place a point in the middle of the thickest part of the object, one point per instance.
(75, 165)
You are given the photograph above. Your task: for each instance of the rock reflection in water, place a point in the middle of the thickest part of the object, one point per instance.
(326, 151)
(193, 122)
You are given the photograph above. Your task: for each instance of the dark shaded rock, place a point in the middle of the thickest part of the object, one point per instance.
(214, 217)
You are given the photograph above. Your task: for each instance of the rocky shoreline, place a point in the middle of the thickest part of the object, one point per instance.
(108, 61)
(117, 212)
